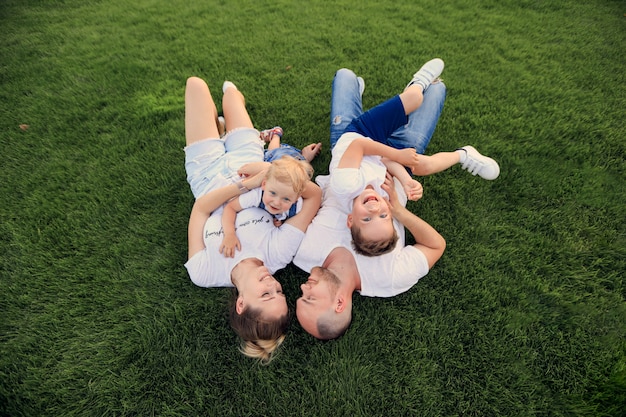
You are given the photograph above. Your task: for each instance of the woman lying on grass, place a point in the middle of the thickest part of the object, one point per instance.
(259, 314)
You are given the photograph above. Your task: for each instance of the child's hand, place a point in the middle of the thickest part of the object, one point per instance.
(413, 189)
(253, 168)
(311, 151)
(277, 223)
(389, 187)
(407, 157)
(228, 246)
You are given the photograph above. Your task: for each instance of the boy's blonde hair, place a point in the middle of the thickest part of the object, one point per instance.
(289, 170)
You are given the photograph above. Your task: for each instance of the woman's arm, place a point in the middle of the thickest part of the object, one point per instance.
(253, 168)
(208, 203)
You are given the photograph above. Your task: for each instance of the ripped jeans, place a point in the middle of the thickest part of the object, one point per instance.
(346, 105)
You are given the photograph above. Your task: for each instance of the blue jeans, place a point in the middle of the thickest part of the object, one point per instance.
(346, 104)
(284, 149)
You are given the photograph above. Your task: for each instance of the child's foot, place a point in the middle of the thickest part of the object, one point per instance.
(478, 164)
(311, 151)
(428, 73)
(266, 135)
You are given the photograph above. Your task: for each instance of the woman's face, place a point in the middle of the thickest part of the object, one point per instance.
(258, 289)
(277, 196)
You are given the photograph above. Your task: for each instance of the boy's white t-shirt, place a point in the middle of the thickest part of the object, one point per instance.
(259, 238)
(381, 276)
(348, 183)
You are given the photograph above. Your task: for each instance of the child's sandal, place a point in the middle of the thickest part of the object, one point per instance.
(266, 135)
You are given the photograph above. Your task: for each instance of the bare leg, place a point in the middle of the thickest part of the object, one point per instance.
(436, 163)
(234, 106)
(274, 142)
(412, 98)
(200, 112)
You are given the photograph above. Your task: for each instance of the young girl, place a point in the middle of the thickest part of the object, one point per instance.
(286, 185)
(276, 150)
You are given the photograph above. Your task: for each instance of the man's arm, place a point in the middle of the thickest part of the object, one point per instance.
(427, 239)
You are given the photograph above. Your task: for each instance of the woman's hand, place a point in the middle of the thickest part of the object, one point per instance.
(253, 168)
(253, 174)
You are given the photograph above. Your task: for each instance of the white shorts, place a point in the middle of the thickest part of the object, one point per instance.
(213, 163)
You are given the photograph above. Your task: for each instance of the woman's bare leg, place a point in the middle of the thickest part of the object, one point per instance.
(200, 112)
(234, 106)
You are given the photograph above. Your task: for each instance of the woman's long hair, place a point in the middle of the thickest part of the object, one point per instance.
(260, 338)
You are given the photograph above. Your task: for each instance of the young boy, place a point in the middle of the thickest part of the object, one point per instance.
(360, 160)
(285, 186)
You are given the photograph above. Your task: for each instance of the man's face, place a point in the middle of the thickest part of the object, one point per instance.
(318, 294)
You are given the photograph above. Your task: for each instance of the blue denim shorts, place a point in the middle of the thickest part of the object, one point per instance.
(284, 149)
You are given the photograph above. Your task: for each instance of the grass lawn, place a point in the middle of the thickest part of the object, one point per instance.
(524, 315)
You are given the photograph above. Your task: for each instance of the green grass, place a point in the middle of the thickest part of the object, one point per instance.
(524, 315)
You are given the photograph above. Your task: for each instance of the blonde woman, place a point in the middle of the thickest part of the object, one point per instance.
(218, 169)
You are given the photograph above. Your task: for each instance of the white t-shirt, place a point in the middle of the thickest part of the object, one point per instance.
(347, 183)
(381, 276)
(259, 238)
(253, 199)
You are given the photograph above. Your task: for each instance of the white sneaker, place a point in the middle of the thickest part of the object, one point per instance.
(428, 73)
(227, 85)
(221, 126)
(477, 164)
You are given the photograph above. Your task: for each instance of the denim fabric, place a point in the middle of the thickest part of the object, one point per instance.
(346, 105)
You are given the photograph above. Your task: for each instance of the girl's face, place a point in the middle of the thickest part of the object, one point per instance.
(277, 196)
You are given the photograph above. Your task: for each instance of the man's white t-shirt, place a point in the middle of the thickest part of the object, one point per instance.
(381, 276)
(259, 238)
